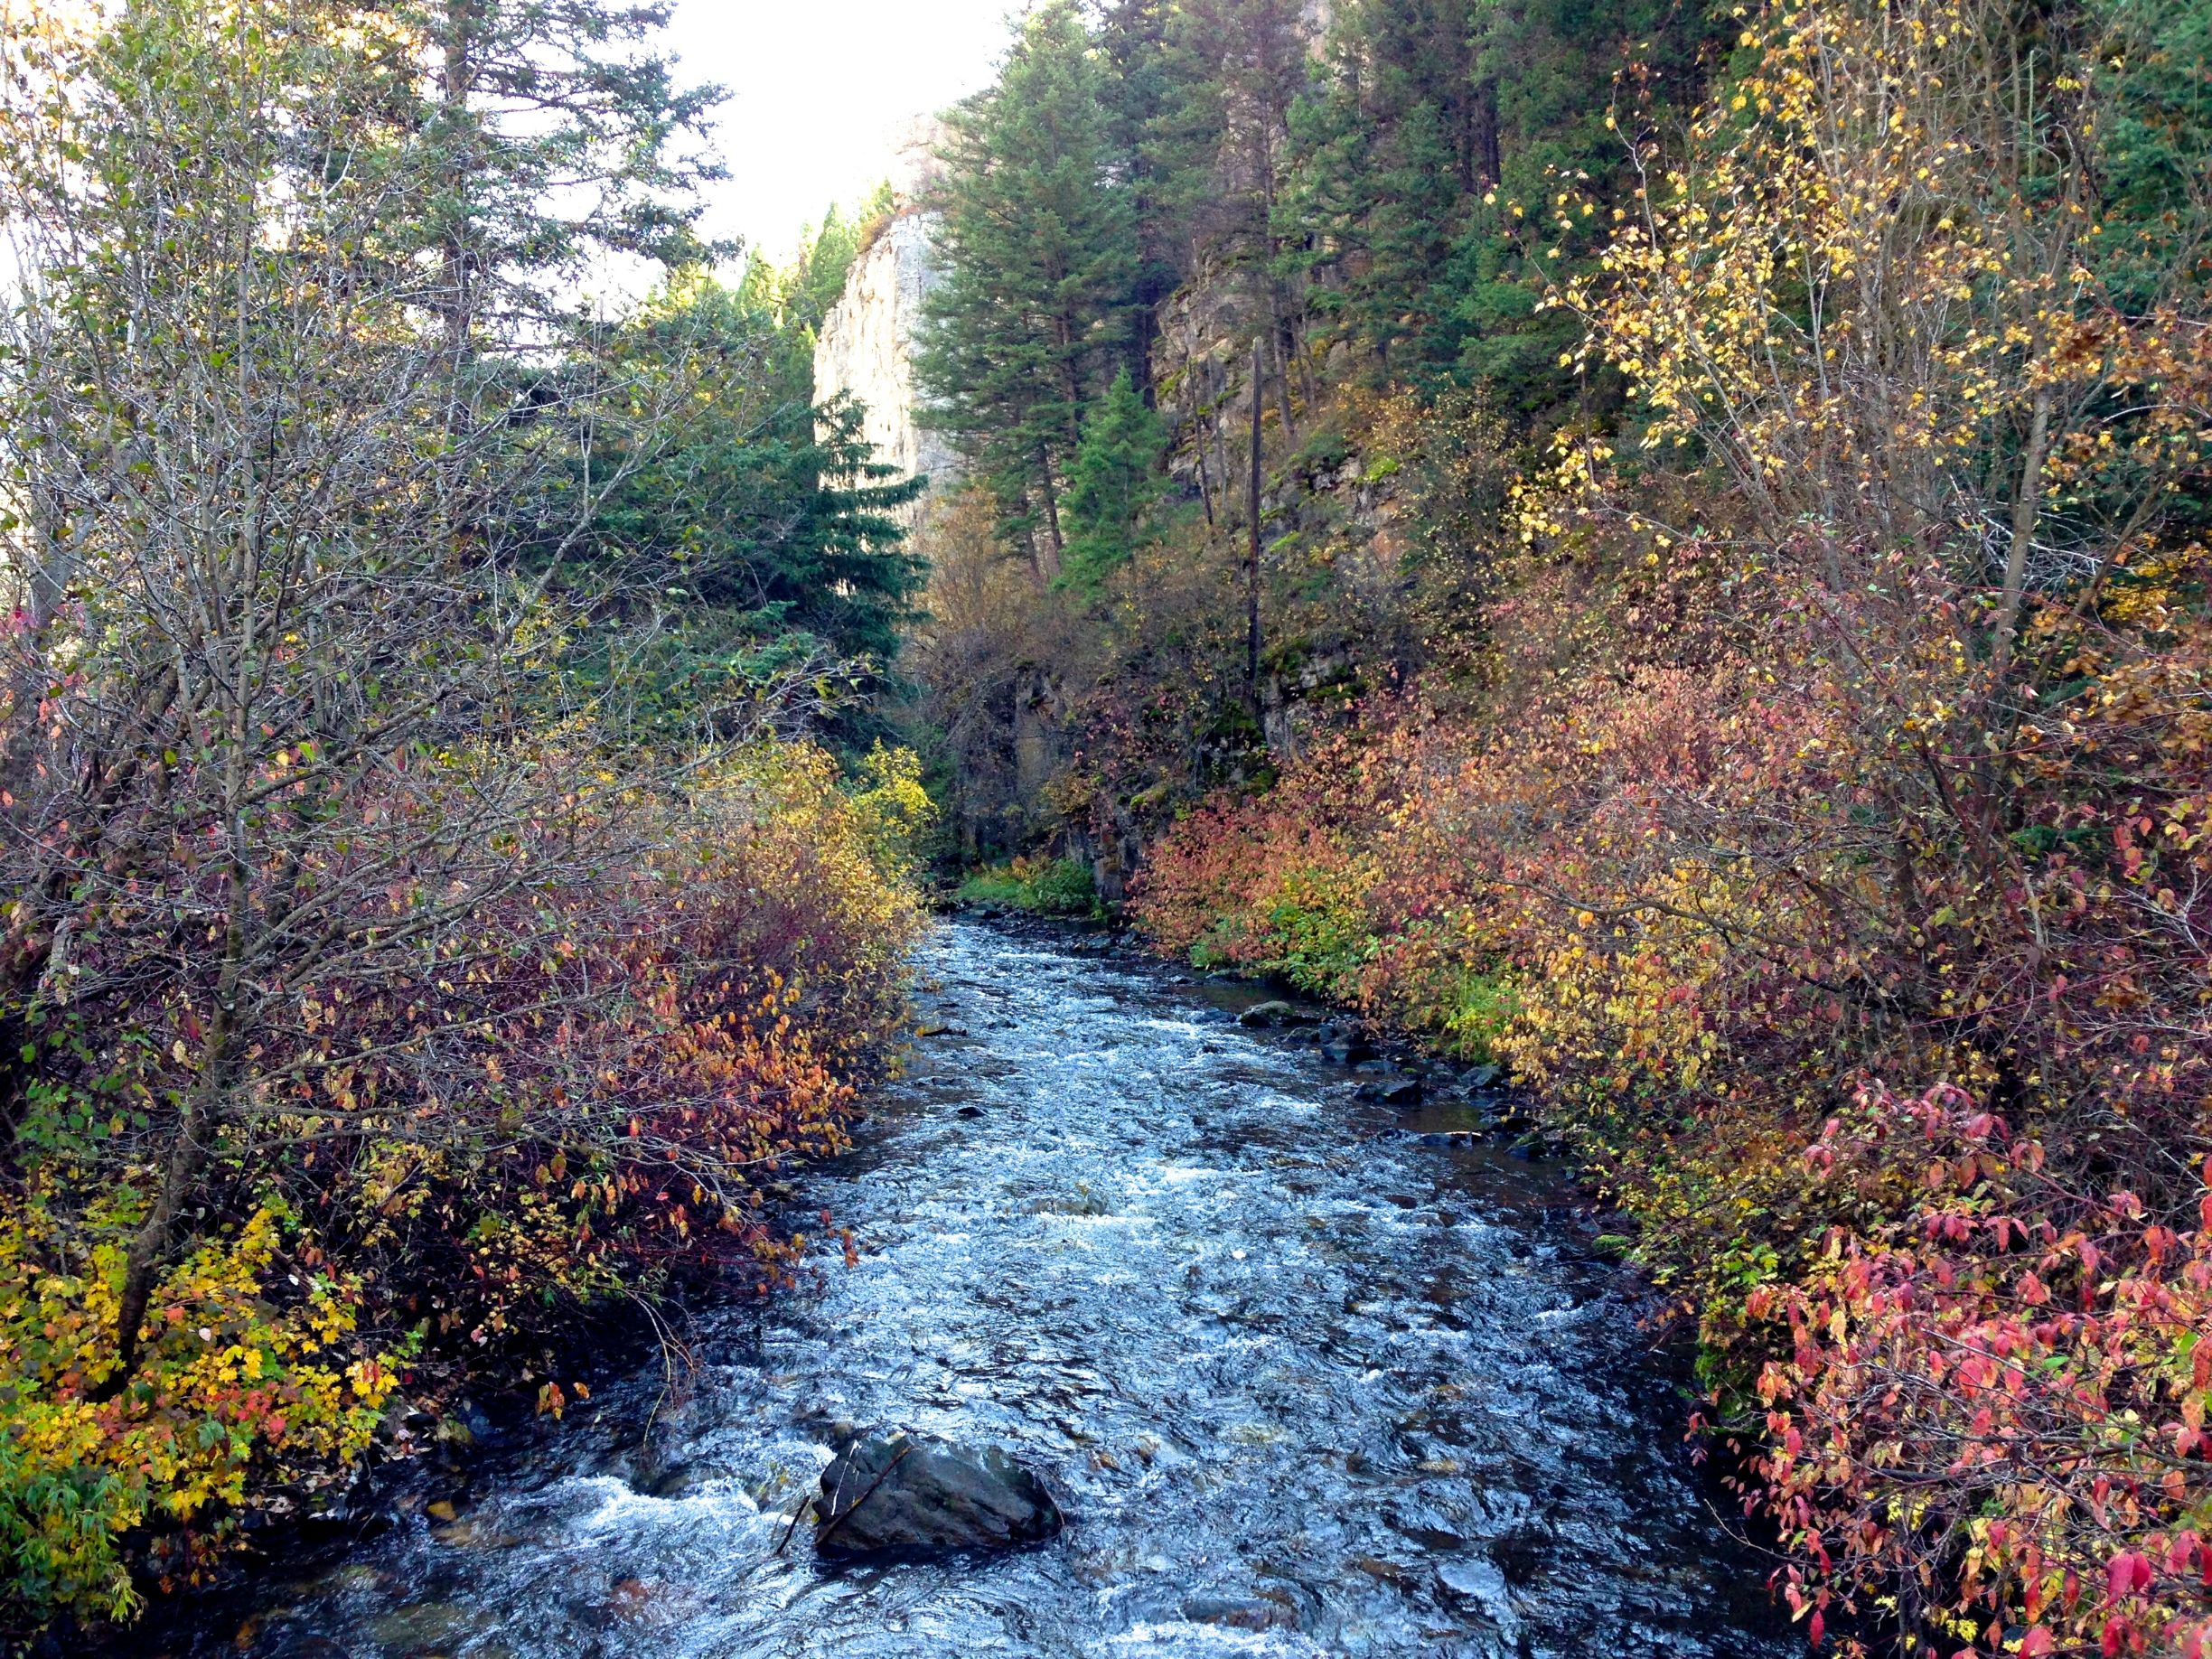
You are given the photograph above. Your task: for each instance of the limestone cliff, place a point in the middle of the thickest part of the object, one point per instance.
(867, 343)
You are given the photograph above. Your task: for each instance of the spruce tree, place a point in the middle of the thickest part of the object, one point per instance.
(1116, 479)
(1388, 155)
(1240, 66)
(1037, 240)
(797, 298)
(1549, 74)
(558, 134)
(1140, 89)
(757, 512)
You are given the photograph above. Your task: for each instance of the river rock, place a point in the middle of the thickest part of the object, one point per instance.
(1239, 1613)
(1273, 1014)
(1392, 1091)
(682, 1480)
(1344, 1044)
(907, 1496)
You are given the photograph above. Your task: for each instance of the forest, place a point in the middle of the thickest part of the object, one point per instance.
(1662, 547)
(1658, 548)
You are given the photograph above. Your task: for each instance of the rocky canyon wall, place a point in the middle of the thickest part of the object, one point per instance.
(865, 349)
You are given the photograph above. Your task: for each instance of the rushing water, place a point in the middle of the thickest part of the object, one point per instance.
(1303, 1384)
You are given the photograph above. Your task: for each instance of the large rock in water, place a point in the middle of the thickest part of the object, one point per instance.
(905, 1494)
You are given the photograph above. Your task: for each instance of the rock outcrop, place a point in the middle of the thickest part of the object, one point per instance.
(865, 349)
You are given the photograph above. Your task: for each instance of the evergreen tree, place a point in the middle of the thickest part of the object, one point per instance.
(1551, 71)
(799, 297)
(1116, 479)
(1038, 245)
(1139, 90)
(1389, 153)
(558, 134)
(810, 288)
(1437, 118)
(2155, 152)
(1240, 66)
(756, 516)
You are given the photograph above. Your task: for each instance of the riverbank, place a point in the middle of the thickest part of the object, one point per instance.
(1932, 1201)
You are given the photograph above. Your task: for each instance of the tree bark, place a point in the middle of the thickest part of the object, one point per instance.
(1053, 544)
(149, 1246)
(2027, 507)
(1252, 554)
(1488, 161)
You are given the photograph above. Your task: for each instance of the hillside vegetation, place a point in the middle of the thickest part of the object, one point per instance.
(1664, 546)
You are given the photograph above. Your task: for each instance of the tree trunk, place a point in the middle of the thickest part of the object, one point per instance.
(1252, 554)
(1055, 545)
(459, 72)
(1488, 161)
(2027, 507)
(149, 1246)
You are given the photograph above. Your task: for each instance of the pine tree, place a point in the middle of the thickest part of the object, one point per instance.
(1140, 89)
(760, 512)
(559, 135)
(1116, 479)
(2155, 152)
(1387, 157)
(1240, 68)
(1549, 72)
(797, 298)
(1038, 246)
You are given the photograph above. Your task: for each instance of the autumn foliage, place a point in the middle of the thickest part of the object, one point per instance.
(400, 963)
(582, 1102)
(1823, 835)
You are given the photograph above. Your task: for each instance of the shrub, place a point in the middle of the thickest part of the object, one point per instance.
(1047, 886)
(386, 1221)
(1990, 1400)
(380, 980)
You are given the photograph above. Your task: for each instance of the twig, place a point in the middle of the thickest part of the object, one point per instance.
(839, 1517)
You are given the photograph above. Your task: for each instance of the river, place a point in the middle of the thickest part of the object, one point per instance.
(1304, 1383)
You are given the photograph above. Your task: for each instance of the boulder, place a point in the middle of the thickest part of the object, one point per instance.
(1344, 1044)
(682, 1480)
(899, 1495)
(1272, 1013)
(1399, 1091)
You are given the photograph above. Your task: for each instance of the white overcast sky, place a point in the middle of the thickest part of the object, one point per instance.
(820, 91)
